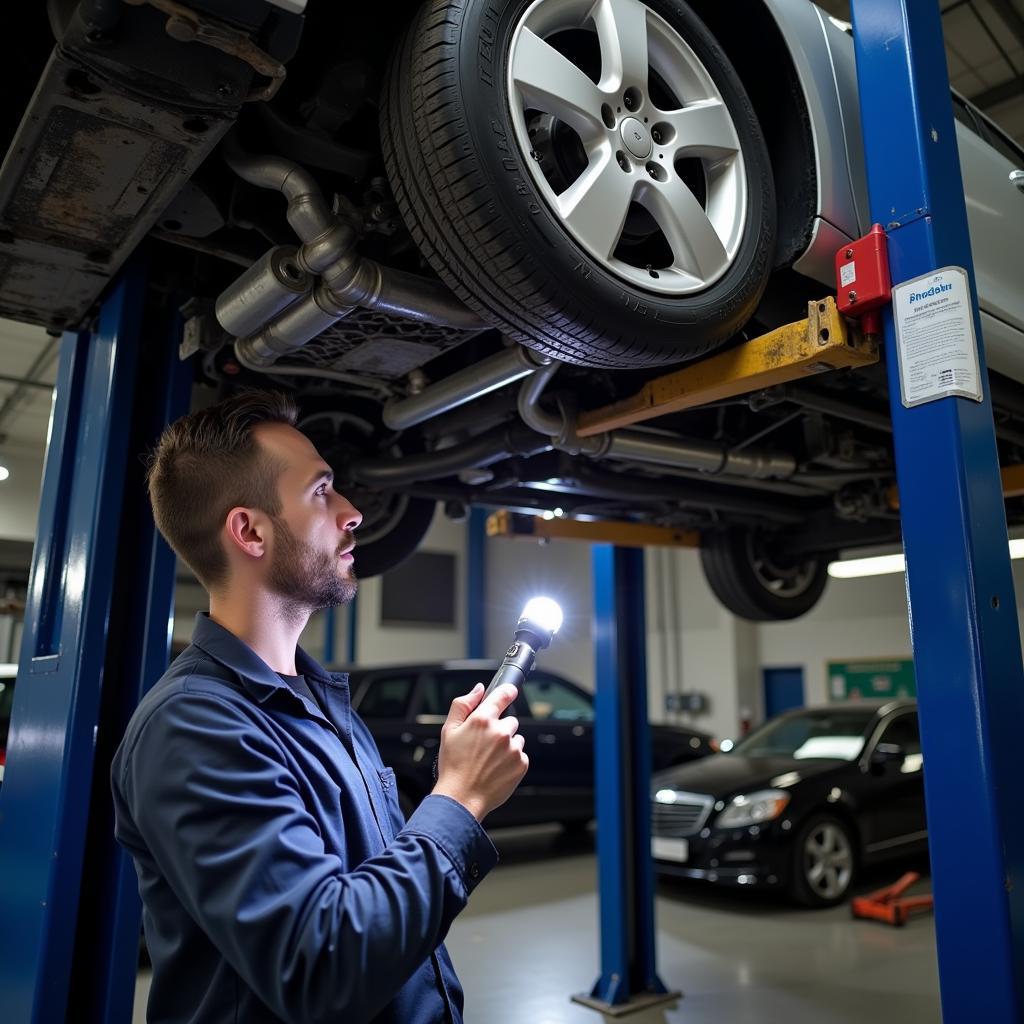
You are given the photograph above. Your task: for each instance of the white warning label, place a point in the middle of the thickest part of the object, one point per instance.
(938, 352)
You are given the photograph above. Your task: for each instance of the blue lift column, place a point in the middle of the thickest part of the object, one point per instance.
(96, 634)
(964, 630)
(622, 750)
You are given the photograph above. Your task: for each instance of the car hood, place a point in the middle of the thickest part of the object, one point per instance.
(724, 775)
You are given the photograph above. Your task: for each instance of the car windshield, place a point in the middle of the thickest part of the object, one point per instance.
(824, 733)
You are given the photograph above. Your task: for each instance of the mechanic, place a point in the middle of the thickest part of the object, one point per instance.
(278, 877)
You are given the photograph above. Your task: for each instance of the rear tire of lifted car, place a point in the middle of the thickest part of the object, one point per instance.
(755, 579)
(394, 524)
(824, 862)
(482, 216)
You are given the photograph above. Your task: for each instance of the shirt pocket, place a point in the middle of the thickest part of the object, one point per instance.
(389, 787)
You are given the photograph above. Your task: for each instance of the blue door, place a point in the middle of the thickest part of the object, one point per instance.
(783, 689)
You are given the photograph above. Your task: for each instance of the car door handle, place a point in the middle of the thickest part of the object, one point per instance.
(546, 737)
(1017, 178)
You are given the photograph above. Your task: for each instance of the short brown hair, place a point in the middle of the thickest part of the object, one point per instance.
(205, 464)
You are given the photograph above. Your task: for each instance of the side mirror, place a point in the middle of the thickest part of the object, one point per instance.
(887, 753)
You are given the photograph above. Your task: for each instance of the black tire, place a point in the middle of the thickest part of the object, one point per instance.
(811, 893)
(756, 580)
(394, 524)
(474, 211)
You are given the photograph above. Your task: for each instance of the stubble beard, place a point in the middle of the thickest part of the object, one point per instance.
(307, 578)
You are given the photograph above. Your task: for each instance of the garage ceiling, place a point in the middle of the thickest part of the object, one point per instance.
(985, 56)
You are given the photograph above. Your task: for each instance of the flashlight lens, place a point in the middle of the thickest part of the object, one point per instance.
(544, 612)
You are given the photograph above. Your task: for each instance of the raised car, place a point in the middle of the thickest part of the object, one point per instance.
(451, 227)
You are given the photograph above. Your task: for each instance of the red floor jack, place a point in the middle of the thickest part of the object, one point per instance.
(889, 905)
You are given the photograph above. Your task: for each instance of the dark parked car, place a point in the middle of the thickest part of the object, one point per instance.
(801, 803)
(405, 707)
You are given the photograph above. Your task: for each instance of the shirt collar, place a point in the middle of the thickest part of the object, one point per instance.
(254, 673)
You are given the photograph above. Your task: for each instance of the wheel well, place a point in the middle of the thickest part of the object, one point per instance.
(846, 816)
(756, 49)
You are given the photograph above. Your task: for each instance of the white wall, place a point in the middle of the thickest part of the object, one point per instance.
(861, 618)
(19, 493)
(379, 644)
(518, 569)
(695, 645)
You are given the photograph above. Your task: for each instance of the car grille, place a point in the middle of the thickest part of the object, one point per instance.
(685, 817)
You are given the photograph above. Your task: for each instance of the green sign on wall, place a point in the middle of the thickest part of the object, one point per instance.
(876, 677)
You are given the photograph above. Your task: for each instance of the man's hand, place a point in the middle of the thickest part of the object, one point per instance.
(481, 760)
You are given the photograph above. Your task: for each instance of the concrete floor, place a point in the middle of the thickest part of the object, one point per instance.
(529, 940)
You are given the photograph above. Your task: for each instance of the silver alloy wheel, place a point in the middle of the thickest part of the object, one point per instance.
(827, 861)
(633, 150)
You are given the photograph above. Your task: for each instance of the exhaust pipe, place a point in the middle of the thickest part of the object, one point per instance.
(638, 446)
(347, 280)
(475, 381)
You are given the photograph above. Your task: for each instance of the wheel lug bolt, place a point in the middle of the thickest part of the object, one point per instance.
(627, 102)
(656, 136)
(650, 171)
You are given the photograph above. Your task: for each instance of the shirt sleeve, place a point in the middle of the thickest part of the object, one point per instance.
(220, 813)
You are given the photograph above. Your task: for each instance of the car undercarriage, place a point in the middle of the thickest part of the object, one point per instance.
(263, 163)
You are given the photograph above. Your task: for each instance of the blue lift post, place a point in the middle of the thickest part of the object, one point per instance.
(965, 637)
(622, 745)
(69, 944)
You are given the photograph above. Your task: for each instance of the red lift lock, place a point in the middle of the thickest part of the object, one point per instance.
(863, 284)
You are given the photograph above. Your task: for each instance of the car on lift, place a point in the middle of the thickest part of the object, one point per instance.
(396, 211)
(801, 804)
(404, 707)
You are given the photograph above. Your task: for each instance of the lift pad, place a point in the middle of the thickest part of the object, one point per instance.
(819, 343)
(626, 535)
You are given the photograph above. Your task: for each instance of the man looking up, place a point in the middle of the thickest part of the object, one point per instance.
(278, 877)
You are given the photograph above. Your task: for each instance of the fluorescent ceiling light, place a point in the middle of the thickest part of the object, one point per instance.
(4, 473)
(854, 568)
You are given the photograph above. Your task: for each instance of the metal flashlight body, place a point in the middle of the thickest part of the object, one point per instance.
(539, 622)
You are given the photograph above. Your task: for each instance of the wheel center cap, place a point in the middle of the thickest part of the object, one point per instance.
(636, 138)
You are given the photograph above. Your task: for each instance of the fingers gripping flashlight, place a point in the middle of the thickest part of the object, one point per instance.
(539, 622)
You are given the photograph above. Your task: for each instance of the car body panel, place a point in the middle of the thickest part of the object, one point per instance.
(823, 56)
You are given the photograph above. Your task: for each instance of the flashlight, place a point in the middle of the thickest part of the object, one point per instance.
(539, 622)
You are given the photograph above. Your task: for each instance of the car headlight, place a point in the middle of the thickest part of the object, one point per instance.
(753, 808)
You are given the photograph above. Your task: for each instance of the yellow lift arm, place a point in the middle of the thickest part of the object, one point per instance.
(627, 535)
(819, 343)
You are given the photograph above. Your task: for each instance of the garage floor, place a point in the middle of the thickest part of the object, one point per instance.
(529, 939)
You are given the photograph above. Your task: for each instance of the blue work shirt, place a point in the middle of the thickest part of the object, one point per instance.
(278, 877)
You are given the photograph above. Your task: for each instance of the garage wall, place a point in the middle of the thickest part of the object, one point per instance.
(379, 644)
(695, 646)
(19, 493)
(862, 618)
(520, 569)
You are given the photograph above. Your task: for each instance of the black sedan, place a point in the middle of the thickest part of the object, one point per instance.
(801, 803)
(405, 706)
